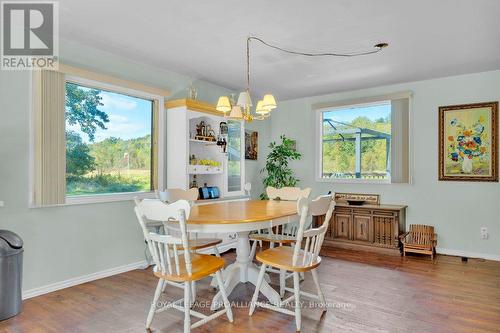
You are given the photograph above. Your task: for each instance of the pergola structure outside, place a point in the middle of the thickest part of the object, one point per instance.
(360, 134)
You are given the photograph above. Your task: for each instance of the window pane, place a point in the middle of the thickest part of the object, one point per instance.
(356, 142)
(108, 142)
(234, 156)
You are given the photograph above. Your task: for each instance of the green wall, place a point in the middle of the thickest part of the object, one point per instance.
(70, 241)
(457, 209)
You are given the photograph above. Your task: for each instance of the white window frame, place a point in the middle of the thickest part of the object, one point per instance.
(122, 196)
(319, 140)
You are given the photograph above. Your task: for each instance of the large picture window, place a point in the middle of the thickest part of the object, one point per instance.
(95, 138)
(108, 141)
(364, 142)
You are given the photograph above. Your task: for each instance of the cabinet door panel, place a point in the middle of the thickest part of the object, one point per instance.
(361, 228)
(342, 225)
(384, 230)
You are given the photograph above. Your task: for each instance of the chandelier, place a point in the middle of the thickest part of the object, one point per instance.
(241, 109)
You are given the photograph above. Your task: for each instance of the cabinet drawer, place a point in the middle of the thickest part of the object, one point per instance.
(384, 213)
(343, 210)
(361, 211)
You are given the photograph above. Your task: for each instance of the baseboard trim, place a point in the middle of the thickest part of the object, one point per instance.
(83, 279)
(459, 253)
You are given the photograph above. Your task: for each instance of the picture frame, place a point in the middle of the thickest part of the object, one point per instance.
(468, 142)
(251, 145)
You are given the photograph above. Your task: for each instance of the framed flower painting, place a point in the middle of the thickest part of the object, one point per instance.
(468, 142)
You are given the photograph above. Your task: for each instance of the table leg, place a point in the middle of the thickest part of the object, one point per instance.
(243, 270)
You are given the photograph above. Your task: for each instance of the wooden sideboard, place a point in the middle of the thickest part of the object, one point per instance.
(367, 227)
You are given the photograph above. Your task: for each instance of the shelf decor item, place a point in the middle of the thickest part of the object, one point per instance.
(468, 142)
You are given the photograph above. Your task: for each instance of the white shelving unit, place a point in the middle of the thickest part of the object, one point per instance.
(182, 117)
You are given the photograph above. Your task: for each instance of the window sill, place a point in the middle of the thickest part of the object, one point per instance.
(101, 198)
(355, 181)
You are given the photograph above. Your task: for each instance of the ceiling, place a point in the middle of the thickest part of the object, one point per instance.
(206, 39)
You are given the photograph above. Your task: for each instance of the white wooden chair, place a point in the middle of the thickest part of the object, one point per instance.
(287, 193)
(296, 259)
(174, 194)
(185, 268)
(194, 244)
(286, 234)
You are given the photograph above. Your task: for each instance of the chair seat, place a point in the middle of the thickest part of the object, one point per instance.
(272, 238)
(203, 265)
(281, 257)
(202, 243)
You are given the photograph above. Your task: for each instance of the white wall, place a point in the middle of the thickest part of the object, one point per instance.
(457, 209)
(71, 241)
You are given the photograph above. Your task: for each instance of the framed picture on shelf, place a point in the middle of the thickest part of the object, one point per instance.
(468, 142)
(251, 145)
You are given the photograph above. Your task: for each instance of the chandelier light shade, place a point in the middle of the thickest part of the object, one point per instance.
(223, 104)
(244, 99)
(269, 102)
(260, 110)
(236, 113)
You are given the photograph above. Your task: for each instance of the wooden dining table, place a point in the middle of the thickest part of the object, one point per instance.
(242, 217)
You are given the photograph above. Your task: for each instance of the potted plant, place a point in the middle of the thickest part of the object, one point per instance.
(278, 173)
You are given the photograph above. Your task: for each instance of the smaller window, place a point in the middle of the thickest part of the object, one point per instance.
(355, 142)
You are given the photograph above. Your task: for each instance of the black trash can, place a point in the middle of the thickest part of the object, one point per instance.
(11, 273)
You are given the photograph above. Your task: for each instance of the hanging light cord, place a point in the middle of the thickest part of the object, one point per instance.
(377, 48)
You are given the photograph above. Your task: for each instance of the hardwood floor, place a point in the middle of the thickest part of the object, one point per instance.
(368, 293)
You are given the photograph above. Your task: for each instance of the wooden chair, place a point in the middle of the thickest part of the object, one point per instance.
(174, 194)
(284, 234)
(420, 239)
(287, 193)
(296, 259)
(185, 268)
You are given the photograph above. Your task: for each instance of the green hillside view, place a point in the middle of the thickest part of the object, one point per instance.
(339, 156)
(109, 166)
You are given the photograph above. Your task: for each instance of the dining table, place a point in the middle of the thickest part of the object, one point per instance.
(241, 217)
